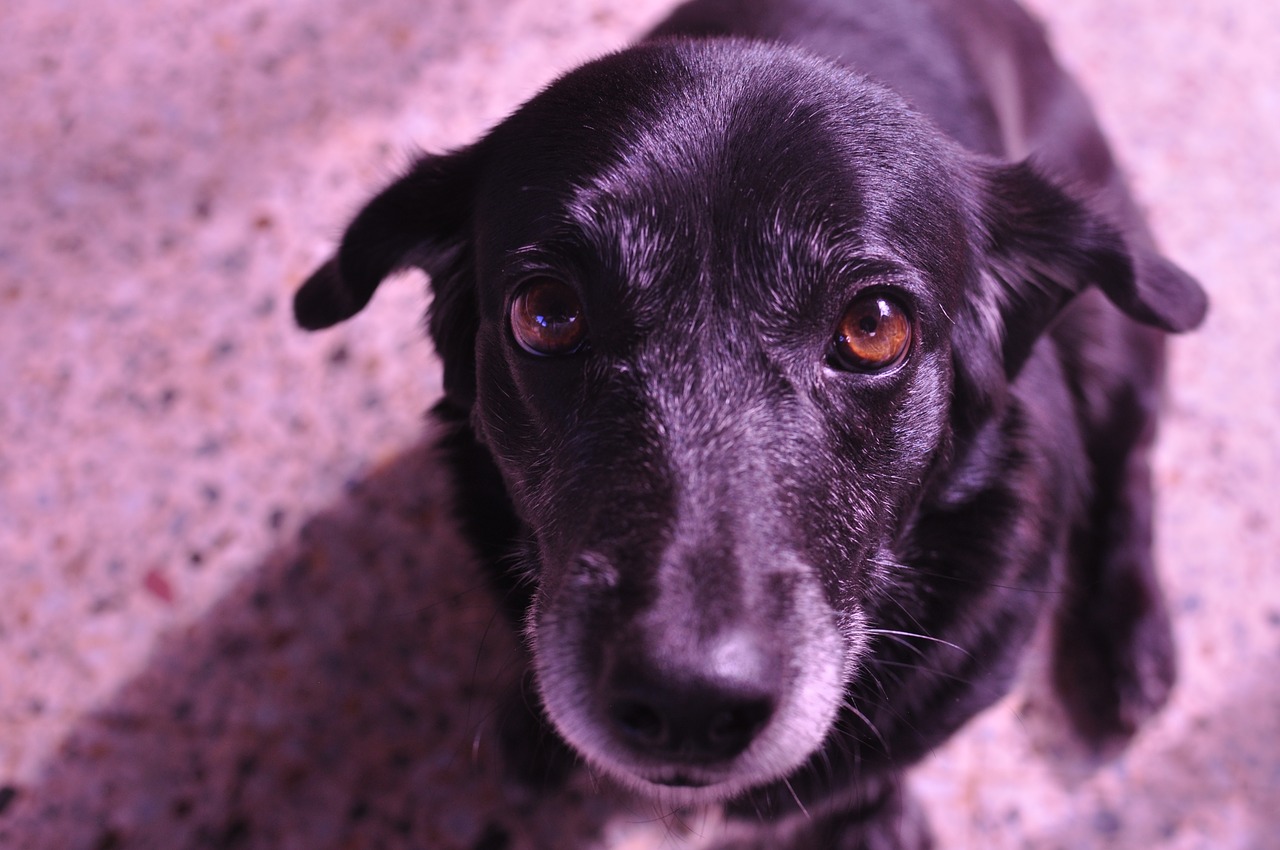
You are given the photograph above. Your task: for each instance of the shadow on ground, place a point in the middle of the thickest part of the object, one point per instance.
(344, 697)
(341, 697)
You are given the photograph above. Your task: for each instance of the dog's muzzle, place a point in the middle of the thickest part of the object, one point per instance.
(696, 696)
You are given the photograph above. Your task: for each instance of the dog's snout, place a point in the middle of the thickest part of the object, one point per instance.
(707, 707)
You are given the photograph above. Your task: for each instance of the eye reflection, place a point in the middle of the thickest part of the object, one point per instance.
(547, 318)
(874, 334)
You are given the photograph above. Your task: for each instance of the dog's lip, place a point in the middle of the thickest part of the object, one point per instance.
(680, 780)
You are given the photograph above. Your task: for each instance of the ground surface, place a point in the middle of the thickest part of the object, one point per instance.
(233, 612)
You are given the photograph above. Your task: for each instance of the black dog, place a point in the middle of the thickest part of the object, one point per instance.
(804, 358)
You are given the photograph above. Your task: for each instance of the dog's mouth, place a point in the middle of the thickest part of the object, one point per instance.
(686, 785)
(681, 780)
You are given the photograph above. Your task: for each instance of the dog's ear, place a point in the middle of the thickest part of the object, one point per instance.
(1037, 247)
(421, 220)
(1043, 247)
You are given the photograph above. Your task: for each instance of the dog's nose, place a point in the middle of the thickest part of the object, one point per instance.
(693, 709)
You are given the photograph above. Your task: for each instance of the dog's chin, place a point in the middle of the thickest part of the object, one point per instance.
(686, 786)
(695, 785)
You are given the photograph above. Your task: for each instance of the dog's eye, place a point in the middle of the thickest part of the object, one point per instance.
(874, 334)
(546, 317)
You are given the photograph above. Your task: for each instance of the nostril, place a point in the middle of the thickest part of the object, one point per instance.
(691, 723)
(700, 706)
(730, 730)
(639, 722)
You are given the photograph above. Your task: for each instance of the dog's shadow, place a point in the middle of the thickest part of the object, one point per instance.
(342, 696)
(345, 695)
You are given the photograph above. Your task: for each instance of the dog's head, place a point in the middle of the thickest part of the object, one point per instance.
(720, 312)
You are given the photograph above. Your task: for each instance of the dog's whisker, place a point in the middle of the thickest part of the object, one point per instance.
(943, 674)
(477, 660)
(895, 633)
(901, 641)
(449, 601)
(1045, 591)
(916, 622)
(886, 703)
(885, 748)
(787, 782)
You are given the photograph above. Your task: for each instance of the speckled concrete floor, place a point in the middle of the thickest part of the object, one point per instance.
(232, 611)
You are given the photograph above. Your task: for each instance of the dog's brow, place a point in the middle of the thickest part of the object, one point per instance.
(563, 247)
(528, 258)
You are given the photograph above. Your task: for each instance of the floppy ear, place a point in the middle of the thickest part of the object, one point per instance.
(421, 220)
(1037, 247)
(1043, 247)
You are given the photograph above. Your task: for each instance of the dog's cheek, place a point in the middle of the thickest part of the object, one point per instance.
(566, 631)
(923, 425)
(859, 489)
(503, 420)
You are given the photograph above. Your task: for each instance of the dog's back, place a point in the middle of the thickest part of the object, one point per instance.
(981, 70)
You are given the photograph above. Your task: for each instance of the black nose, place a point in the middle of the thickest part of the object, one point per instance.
(694, 709)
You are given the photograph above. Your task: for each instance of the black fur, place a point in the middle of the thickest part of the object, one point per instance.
(745, 571)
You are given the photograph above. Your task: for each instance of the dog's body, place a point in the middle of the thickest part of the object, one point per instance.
(794, 407)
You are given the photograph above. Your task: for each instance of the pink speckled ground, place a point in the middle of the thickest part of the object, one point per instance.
(232, 611)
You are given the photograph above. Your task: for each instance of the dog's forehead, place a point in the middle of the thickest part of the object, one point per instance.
(666, 159)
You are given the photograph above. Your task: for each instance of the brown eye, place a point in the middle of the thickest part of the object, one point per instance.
(874, 334)
(546, 317)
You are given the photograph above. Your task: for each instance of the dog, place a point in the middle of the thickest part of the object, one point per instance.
(801, 362)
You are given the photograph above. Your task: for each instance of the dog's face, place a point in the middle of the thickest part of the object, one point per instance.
(722, 315)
